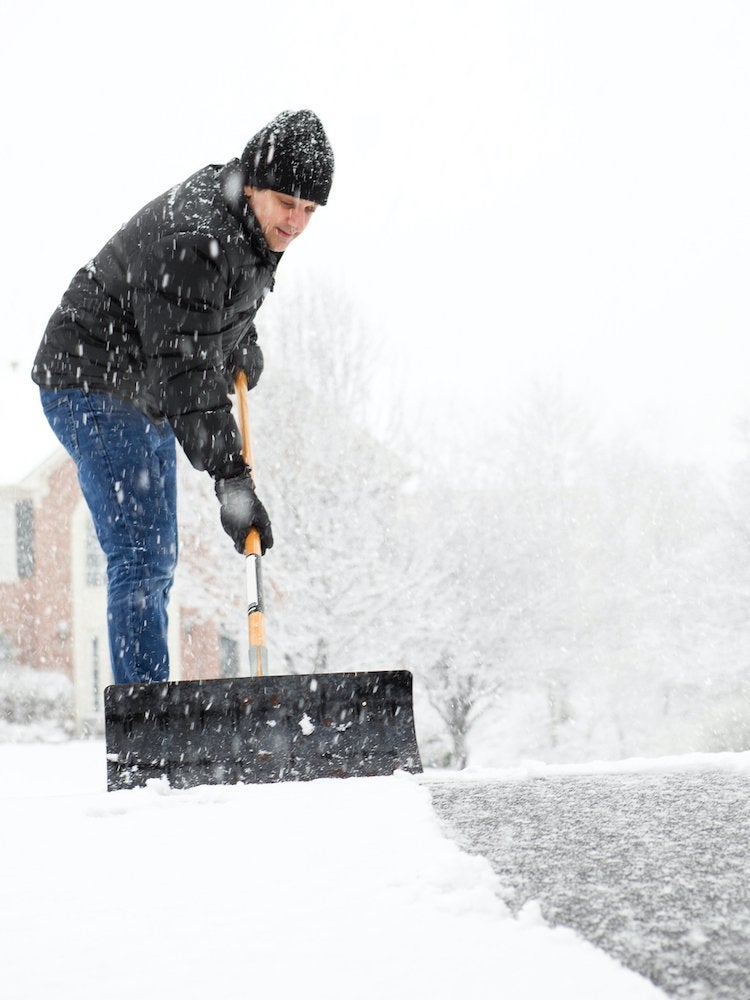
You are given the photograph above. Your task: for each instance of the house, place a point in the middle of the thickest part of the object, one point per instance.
(53, 595)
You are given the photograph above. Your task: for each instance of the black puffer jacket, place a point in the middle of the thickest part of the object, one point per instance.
(165, 309)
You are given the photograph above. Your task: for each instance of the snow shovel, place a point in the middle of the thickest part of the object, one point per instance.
(260, 728)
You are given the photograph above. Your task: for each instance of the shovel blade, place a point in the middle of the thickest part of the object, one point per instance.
(260, 729)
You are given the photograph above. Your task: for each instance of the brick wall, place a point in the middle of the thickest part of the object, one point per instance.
(36, 611)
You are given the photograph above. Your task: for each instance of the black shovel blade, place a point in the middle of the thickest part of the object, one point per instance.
(260, 729)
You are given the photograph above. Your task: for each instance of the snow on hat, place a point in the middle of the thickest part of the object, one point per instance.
(291, 154)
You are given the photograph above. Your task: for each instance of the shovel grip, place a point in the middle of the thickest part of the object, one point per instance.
(252, 543)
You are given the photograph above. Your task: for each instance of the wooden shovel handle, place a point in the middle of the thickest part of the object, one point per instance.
(252, 542)
(256, 620)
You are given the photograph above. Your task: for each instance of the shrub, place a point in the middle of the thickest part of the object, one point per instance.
(34, 704)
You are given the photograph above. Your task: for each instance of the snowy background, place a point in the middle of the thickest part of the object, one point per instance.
(538, 243)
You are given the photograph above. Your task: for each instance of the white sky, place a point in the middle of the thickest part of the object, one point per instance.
(523, 189)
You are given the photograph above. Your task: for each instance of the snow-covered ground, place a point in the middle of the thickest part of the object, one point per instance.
(325, 889)
(736, 762)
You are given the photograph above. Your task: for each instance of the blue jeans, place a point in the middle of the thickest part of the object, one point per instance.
(126, 468)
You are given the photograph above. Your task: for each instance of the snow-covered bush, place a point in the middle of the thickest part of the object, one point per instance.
(34, 704)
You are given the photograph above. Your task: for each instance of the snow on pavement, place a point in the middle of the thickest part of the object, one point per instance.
(323, 889)
(687, 763)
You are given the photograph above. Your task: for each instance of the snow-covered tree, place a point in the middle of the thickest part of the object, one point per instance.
(609, 584)
(336, 574)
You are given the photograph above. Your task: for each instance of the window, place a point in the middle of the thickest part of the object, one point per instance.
(25, 538)
(229, 657)
(95, 671)
(96, 562)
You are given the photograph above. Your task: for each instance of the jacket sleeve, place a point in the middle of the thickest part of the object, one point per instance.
(180, 285)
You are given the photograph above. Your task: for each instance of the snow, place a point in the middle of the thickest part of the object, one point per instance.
(306, 725)
(737, 763)
(298, 891)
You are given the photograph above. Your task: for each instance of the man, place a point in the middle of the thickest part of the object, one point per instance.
(144, 348)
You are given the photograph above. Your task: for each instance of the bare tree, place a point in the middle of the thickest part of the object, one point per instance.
(459, 696)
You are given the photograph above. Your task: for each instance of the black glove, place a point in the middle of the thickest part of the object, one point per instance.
(241, 510)
(247, 358)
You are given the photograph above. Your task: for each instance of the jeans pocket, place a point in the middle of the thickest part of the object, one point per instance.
(52, 400)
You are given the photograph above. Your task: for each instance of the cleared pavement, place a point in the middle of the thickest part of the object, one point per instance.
(652, 868)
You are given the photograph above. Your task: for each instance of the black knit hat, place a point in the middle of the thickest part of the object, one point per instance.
(291, 154)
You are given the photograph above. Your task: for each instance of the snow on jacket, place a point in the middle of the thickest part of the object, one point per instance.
(165, 310)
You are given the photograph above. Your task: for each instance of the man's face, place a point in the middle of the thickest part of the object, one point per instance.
(280, 216)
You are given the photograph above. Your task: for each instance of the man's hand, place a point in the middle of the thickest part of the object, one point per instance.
(241, 510)
(247, 358)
